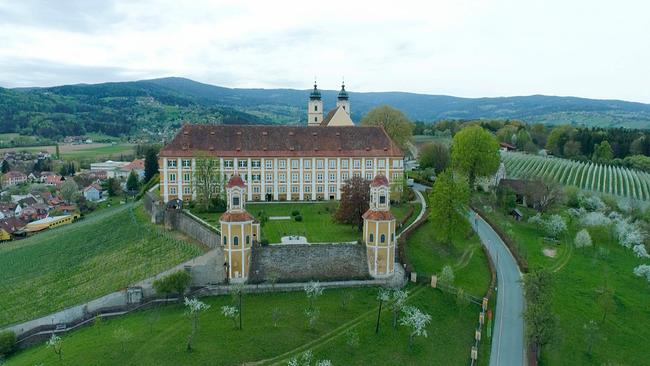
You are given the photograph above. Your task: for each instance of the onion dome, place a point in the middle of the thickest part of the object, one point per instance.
(235, 181)
(379, 180)
(315, 94)
(343, 94)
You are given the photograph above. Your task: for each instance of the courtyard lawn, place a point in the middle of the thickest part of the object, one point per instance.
(71, 264)
(579, 277)
(158, 335)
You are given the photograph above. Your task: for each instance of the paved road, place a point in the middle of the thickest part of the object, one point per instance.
(508, 332)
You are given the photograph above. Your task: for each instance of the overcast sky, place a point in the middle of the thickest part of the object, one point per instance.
(472, 48)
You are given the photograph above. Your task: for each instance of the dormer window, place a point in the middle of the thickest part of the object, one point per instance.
(382, 200)
(316, 108)
(235, 201)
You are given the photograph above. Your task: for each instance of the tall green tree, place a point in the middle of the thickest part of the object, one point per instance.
(208, 181)
(558, 137)
(475, 152)
(448, 201)
(541, 324)
(69, 190)
(434, 155)
(5, 167)
(132, 182)
(150, 164)
(603, 152)
(394, 122)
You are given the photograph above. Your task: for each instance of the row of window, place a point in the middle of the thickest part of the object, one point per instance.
(382, 238)
(235, 240)
(282, 177)
(295, 163)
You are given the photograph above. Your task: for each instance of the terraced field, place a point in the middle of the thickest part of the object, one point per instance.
(585, 175)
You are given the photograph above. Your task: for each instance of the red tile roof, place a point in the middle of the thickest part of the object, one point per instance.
(236, 217)
(281, 141)
(235, 181)
(379, 180)
(377, 215)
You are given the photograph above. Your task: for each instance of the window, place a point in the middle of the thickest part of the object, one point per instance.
(295, 164)
(225, 240)
(256, 189)
(235, 201)
(282, 176)
(256, 177)
(315, 119)
(370, 238)
(332, 189)
(172, 190)
(248, 239)
(294, 189)
(187, 191)
(345, 176)
(357, 163)
(332, 163)
(186, 177)
(344, 164)
(243, 163)
(393, 237)
(319, 164)
(316, 107)
(171, 163)
(283, 189)
(307, 177)
(382, 200)
(307, 164)
(269, 164)
(332, 177)
(319, 189)
(235, 241)
(396, 175)
(186, 163)
(381, 163)
(307, 189)
(382, 238)
(283, 164)
(294, 177)
(356, 174)
(368, 163)
(172, 177)
(368, 176)
(269, 189)
(319, 177)
(269, 177)
(256, 163)
(395, 164)
(228, 163)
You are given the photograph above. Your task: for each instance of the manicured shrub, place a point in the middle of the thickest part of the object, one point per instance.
(298, 218)
(176, 282)
(7, 342)
(295, 213)
(264, 242)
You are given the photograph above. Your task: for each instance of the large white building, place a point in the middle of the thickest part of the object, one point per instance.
(283, 162)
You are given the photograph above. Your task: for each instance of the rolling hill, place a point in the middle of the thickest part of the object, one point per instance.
(158, 106)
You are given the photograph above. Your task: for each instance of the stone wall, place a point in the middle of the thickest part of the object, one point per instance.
(181, 221)
(304, 262)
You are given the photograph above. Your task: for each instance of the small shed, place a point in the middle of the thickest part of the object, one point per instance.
(516, 214)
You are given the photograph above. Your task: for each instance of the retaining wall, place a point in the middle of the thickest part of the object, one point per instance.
(304, 262)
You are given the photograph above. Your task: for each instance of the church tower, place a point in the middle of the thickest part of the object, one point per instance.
(239, 231)
(315, 108)
(379, 229)
(343, 100)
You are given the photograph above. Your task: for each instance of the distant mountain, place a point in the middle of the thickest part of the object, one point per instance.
(159, 106)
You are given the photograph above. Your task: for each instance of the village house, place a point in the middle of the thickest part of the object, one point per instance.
(93, 192)
(13, 178)
(9, 226)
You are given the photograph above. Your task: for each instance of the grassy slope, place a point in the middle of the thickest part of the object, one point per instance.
(159, 335)
(81, 261)
(580, 274)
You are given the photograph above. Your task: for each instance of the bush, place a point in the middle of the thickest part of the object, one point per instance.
(7, 342)
(298, 218)
(264, 242)
(583, 239)
(175, 282)
(295, 213)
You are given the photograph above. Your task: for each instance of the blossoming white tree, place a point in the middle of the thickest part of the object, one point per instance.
(194, 308)
(306, 359)
(230, 312)
(56, 344)
(446, 276)
(554, 225)
(416, 320)
(313, 290)
(595, 219)
(640, 251)
(583, 239)
(643, 271)
(398, 301)
(382, 297)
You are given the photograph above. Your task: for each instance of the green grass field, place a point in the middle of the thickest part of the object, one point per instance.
(580, 275)
(81, 261)
(317, 224)
(110, 151)
(158, 336)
